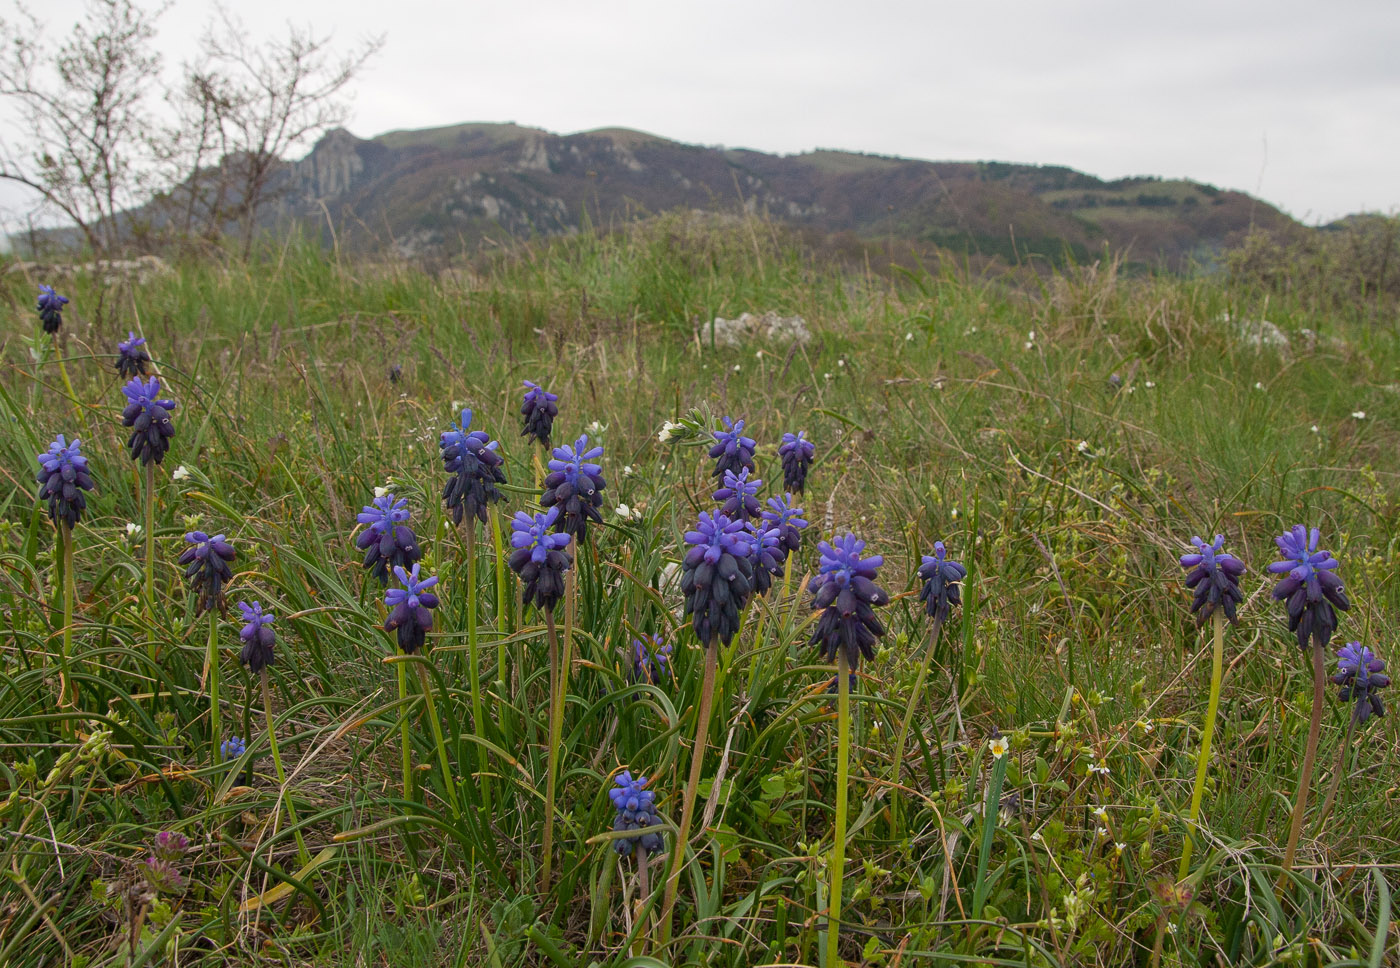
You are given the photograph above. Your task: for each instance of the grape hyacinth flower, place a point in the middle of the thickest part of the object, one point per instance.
(845, 592)
(539, 410)
(1360, 674)
(1310, 590)
(132, 358)
(51, 309)
(575, 487)
(942, 582)
(716, 576)
(739, 496)
(470, 457)
(636, 809)
(63, 472)
(787, 520)
(409, 606)
(732, 451)
(258, 637)
(387, 541)
(206, 569)
(651, 661)
(796, 452)
(765, 557)
(1215, 576)
(232, 748)
(148, 416)
(539, 557)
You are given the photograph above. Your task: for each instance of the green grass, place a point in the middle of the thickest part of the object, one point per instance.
(933, 417)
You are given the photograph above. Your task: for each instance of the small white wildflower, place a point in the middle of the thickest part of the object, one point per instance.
(1101, 813)
(132, 529)
(1145, 726)
(908, 337)
(1098, 768)
(1314, 428)
(596, 428)
(840, 362)
(1149, 384)
(381, 491)
(758, 355)
(1101, 832)
(827, 375)
(954, 514)
(627, 513)
(668, 430)
(1083, 446)
(1171, 927)
(1031, 336)
(627, 470)
(180, 473)
(1258, 386)
(1358, 415)
(736, 367)
(1027, 345)
(1036, 836)
(999, 746)
(1119, 847)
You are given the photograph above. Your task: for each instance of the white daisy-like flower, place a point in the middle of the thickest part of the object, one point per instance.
(1358, 415)
(180, 473)
(999, 746)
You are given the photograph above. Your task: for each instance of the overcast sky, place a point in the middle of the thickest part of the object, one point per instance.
(1298, 102)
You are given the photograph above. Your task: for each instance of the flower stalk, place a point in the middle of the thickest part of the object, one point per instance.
(838, 846)
(1207, 735)
(303, 857)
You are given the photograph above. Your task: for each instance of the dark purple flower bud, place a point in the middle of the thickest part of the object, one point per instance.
(732, 450)
(636, 809)
(716, 576)
(171, 845)
(51, 309)
(539, 557)
(766, 557)
(258, 637)
(539, 410)
(844, 590)
(651, 661)
(132, 358)
(834, 686)
(409, 606)
(206, 568)
(796, 452)
(739, 496)
(1310, 591)
(470, 457)
(942, 582)
(1360, 674)
(148, 416)
(387, 541)
(63, 472)
(575, 486)
(1215, 576)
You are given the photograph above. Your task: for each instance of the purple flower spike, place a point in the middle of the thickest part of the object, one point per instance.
(732, 451)
(539, 410)
(1215, 576)
(387, 541)
(739, 495)
(796, 452)
(51, 309)
(716, 576)
(409, 606)
(539, 557)
(845, 592)
(258, 637)
(942, 582)
(1311, 591)
(1360, 674)
(636, 809)
(575, 486)
(206, 568)
(788, 521)
(766, 556)
(470, 457)
(148, 416)
(63, 472)
(651, 660)
(132, 358)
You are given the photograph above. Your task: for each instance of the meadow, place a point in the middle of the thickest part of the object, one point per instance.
(1015, 787)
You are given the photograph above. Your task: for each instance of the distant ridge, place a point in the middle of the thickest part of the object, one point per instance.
(444, 187)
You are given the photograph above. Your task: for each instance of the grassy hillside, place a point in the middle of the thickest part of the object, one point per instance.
(1065, 442)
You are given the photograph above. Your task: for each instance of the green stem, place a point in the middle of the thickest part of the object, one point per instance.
(474, 670)
(70, 585)
(303, 858)
(151, 546)
(1300, 799)
(556, 715)
(1207, 734)
(68, 386)
(991, 811)
(211, 659)
(449, 785)
(838, 846)
(697, 760)
(895, 779)
(404, 739)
